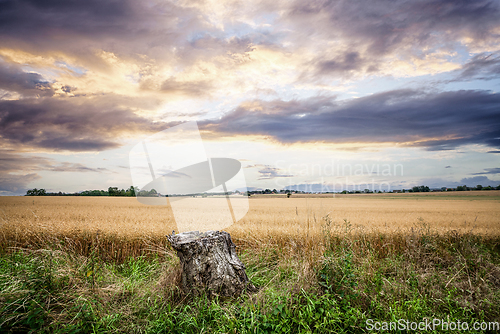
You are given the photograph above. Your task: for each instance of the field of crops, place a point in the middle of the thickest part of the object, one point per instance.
(268, 214)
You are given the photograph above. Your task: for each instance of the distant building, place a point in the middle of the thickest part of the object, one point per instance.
(396, 191)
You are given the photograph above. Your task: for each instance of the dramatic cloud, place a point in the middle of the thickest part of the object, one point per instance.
(367, 32)
(324, 38)
(15, 183)
(12, 161)
(482, 66)
(18, 170)
(73, 26)
(13, 78)
(478, 180)
(437, 182)
(69, 125)
(489, 171)
(268, 173)
(436, 121)
(346, 63)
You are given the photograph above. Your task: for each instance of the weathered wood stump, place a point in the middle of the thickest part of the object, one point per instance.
(210, 263)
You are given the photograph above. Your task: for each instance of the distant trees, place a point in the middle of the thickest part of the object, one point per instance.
(145, 193)
(92, 193)
(420, 189)
(36, 192)
(133, 191)
(112, 191)
(130, 191)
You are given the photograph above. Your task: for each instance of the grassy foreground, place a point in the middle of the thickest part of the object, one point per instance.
(328, 285)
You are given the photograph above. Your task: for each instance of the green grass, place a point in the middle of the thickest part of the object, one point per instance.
(354, 278)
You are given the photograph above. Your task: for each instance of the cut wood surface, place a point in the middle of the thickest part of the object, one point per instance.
(210, 263)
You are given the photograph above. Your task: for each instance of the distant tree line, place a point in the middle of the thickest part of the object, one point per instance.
(42, 192)
(150, 193)
(478, 187)
(36, 192)
(274, 191)
(112, 191)
(131, 192)
(420, 189)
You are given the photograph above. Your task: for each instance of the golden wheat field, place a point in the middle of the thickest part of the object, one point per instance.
(268, 215)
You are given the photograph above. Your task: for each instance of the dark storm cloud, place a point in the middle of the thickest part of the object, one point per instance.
(73, 124)
(437, 121)
(489, 171)
(484, 66)
(163, 30)
(350, 61)
(79, 28)
(384, 25)
(378, 28)
(42, 18)
(14, 79)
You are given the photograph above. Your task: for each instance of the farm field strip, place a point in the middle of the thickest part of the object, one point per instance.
(268, 215)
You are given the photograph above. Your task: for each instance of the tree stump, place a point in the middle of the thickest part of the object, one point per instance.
(210, 263)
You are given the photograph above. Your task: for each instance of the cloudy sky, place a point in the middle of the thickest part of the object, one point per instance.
(324, 94)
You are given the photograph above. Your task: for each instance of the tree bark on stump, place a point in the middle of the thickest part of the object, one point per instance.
(210, 263)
